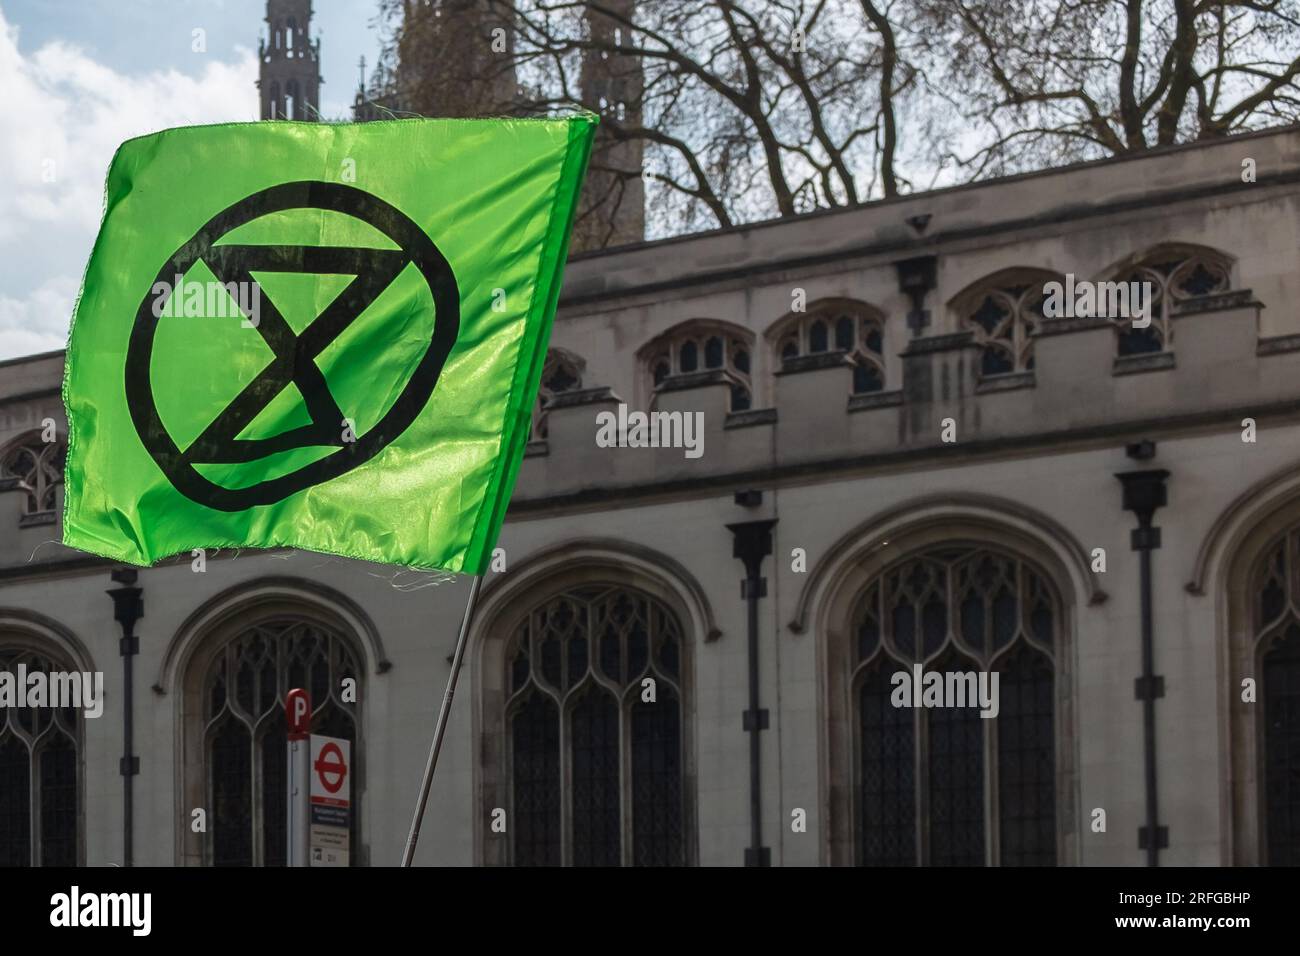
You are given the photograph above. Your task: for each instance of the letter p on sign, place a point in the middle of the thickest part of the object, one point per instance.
(297, 707)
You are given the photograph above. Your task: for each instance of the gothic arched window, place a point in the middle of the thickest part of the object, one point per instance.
(1175, 273)
(1275, 595)
(942, 785)
(593, 719)
(40, 776)
(855, 329)
(244, 731)
(34, 468)
(1003, 311)
(702, 347)
(561, 373)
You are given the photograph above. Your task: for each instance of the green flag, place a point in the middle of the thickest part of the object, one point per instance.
(321, 336)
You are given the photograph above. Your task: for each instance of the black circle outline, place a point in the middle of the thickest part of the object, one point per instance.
(337, 197)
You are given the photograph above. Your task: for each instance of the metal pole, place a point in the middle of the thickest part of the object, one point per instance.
(753, 584)
(297, 707)
(441, 727)
(128, 608)
(1149, 713)
(128, 749)
(752, 541)
(1144, 493)
(299, 827)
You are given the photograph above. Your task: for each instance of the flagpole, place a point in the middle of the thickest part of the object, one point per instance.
(441, 727)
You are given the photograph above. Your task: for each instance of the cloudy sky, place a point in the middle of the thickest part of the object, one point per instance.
(77, 77)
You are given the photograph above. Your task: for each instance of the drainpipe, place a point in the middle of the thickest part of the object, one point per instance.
(752, 543)
(1144, 492)
(128, 608)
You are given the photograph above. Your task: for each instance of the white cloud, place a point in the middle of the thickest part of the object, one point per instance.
(62, 115)
(39, 321)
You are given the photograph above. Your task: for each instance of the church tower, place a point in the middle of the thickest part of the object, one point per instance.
(455, 59)
(611, 210)
(289, 63)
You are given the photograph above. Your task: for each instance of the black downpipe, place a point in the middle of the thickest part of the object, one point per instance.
(128, 608)
(752, 543)
(1144, 492)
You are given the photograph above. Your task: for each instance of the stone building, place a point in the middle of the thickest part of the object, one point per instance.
(942, 475)
(288, 72)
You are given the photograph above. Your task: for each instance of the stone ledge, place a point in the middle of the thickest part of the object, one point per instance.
(1278, 345)
(1005, 383)
(750, 417)
(1217, 302)
(882, 399)
(941, 343)
(1065, 326)
(37, 519)
(1143, 362)
(689, 380)
(811, 363)
(582, 396)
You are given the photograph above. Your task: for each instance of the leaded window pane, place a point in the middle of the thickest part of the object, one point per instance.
(246, 737)
(866, 379)
(657, 782)
(844, 332)
(973, 611)
(230, 766)
(874, 339)
(1271, 597)
(1139, 341)
(58, 794)
(869, 624)
(887, 797)
(852, 328)
(1174, 275)
(996, 361)
(703, 346)
(955, 736)
(1026, 759)
(934, 624)
(275, 771)
(39, 774)
(1282, 748)
(1003, 315)
(15, 803)
(595, 786)
(561, 372)
(535, 738)
(818, 340)
(991, 315)
(623, 754)
(34, 467)
(713, 352)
